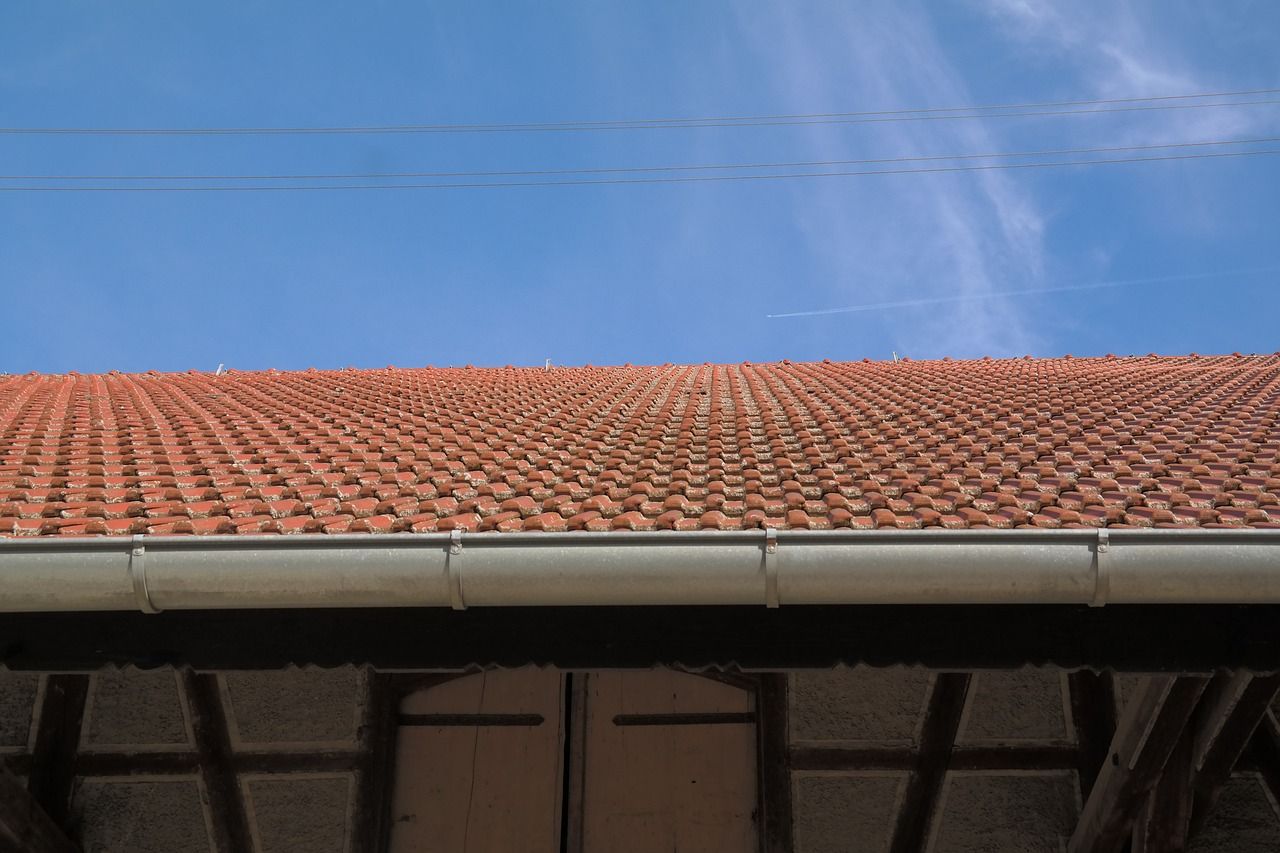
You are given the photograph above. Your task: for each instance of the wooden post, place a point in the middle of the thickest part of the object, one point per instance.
(941, 722)
(24, 825)
(217, 769)
(1093, 711)
(1164, 824)
(57, 741)
(775, 763)
(1148, 733)
(1234, 707)
(371, 832)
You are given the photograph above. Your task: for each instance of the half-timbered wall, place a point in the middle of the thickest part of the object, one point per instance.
(876, 760)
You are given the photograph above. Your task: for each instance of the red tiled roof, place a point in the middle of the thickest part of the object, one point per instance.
(1164, 442)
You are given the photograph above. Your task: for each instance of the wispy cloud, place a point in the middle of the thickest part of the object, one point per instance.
(1217, 275)
(968, 236)
(1119, 50)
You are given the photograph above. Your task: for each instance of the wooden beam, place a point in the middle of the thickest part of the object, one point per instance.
(1147, 734)
(1233, 707)
(24, 825)
(217, 769)
(1264, 750)
(774, 755)
(57, 740)
(1164, 823)
(813, 757)
(375, 778)
(1093, 714)
(573, 794)
(937, 740)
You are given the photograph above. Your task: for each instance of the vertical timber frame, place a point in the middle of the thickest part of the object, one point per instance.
(1093, 713)
(375, 774)
(231, 832)
(1234, 709)
(24, 825)
(57, 742)
(937, 741)
(1148, 734)
(774, 762)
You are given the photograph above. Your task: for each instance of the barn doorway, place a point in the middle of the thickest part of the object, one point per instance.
(547, 761)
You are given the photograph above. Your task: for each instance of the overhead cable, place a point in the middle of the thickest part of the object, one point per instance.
(1108, 105)
(619, 181)
(644, 169)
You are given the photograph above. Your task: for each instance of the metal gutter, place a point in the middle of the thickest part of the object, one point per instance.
(760, 567)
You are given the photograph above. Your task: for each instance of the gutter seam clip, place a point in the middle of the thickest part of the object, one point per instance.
(138, 574)
(452, 572)
(1101, 570)
(771, 568)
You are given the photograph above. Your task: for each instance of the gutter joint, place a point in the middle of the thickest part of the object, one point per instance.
(1101, 569)
(771, 568)
(138, 574)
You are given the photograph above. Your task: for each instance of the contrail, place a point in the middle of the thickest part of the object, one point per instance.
(1098, 285)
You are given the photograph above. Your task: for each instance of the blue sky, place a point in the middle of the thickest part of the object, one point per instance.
(649, 273)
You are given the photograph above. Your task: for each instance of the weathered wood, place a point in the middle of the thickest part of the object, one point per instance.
(57, 739)
(457, 788)
(1230, 713)
(937, 740)
(371, 832)
(775, 764)
(668, 788)
(470, 720)
(185, 762)
(1147, 734)
(730, 718)
(1164, 824)
(741, 680)
(1093, 712)
(404, 683)
(24, 825)
(217, 768)
(574, 763)
(813, 757)
(1264, 753)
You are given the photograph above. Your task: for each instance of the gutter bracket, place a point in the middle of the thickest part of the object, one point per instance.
(771, 568)
(1101, 569)
(453, 573)
(138, 574)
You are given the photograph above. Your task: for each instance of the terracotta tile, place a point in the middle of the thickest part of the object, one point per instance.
(991, 443)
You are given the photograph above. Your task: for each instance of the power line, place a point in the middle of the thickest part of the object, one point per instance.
(994, 294)
(644, 169)
(667, 180)
(864, 117)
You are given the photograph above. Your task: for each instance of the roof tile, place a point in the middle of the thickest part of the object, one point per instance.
(993, 443)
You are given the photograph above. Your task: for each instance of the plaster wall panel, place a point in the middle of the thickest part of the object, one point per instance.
(17, 699)
(1244, 821)
(1010, 812)
(294, 706)
(1016, 705)
(300, 815)
(133, 707)
(137, 816)
(858, 704)
(846, 813)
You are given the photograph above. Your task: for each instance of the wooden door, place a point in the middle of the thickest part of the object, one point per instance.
(669, 765)
(479, 765)
(611, 762)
